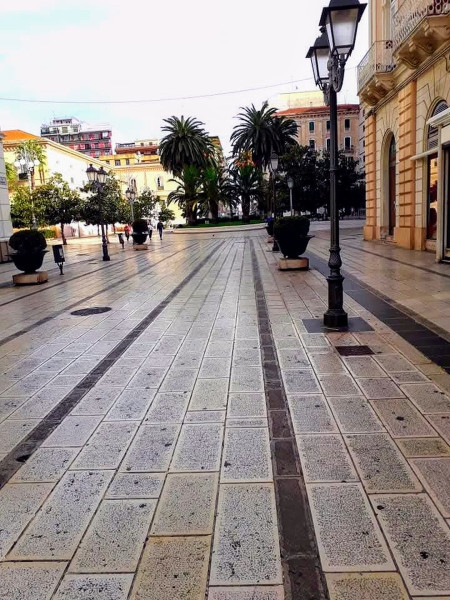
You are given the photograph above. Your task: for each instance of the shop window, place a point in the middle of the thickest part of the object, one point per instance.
(311, 127)
(433, 176)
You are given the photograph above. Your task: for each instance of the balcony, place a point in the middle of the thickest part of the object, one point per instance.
(419, 27)
(375, 77)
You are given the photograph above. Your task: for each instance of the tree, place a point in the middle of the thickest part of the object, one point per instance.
(188, 193)
(11, 177)
(216, 190)
(24, 206)
(104, 206)
(349, 182)
(145, 204)
(165, 214)
(185, 144)
(246, 184)
(32, 150)
(300, 163)
(61, 205)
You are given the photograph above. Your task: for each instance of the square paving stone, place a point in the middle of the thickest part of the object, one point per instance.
(9, 405)
(338, 338)
(419, 539)
(205, 416)
(18, 505)
(209, 394)
(293, 358)
(198, 448)
(348, 534)
(148, 377)
(39, 405)
(215, 367)
(222, 349)
(131, 405)
(187, 505)
(173, 568)
(288, 343)
(381, 465)
(311, 414)
(314, 340)
(325, 458)
(364, 366)
(46, 464)
(423, 447)
(442, 424)
(168, 344)
(246, 455)
(408, 377)
(73, 431)
(136, 485)
(29, 581)
(179, 380)
(355, 415)
(90, 587)
(427, 397)
(58, 527)
(248, 422)
(246, 404)
(13, 432)
(326, 363)
(246, 549)
(375, 389)
(338, 385)
(107, 446)
(246, 379)
(97, 401)
(168, 407)
(187, 360)
(247, 356)
(152, 448)
(402, 419)
(395, 363)
(435, 475)
(115, 539)
(300, 381)
(366, 586)
(247, 593)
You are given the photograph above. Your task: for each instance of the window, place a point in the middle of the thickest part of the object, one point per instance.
(433, 176)
(160, 183)
(65, 129)
(347, 124)
(347, 143)
(328, 144)
(105, 134)
(311, 126)
(117, 163)
(127, 161)
(108, 162)
(328, 125)
(312, 144)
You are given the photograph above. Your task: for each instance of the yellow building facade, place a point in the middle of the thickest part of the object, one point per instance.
(404, 85)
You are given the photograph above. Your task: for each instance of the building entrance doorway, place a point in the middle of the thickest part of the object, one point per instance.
(446, 202)
(392, 186)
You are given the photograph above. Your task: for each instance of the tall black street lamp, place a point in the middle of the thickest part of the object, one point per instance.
(273, 168)
(290, 183)
(339, 24)
(98, 178)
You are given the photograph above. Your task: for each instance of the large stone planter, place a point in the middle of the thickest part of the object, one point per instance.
(28, 262)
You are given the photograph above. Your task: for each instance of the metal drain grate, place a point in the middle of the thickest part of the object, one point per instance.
(94, 310)
(354, 350)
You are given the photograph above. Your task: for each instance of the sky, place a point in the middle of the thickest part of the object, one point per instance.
(118, 50)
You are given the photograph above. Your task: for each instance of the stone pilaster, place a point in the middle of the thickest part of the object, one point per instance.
(370, 166)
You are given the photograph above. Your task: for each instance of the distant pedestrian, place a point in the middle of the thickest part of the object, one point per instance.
(127, 230)
(159, 227)
(150, 230)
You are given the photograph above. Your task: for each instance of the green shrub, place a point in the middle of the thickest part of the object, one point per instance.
(27, 241)
(140, 226)
(291, 226)
(49, 234)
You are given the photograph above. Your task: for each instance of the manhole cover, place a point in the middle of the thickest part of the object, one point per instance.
(94, 310)
(354, 350)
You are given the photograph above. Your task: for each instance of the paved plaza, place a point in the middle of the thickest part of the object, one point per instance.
(203, 438)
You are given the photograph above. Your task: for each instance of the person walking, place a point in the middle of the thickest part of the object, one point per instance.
(127, 230)
(159, 227)
(150, 229)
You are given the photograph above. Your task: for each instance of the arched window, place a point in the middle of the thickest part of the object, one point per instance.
(432, 174)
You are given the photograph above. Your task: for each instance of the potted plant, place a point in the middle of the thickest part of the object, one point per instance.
(291, 233)
(29, 250)
(140, 231)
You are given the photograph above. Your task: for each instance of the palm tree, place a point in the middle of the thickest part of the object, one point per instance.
(246, 183)
(185, 144)
(32, 150)
(285, 131)
(188, 192)
(216, 190)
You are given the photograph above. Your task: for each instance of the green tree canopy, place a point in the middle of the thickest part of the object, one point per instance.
(104, 206)
(23, 207)
(216, 191)
(185, 144)
(145, 204)
(188, 192)
(246, 181)
(165, 214)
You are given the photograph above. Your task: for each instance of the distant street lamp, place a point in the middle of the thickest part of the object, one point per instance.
(273, 168)
(25, 164)
(290, 183)
(329, 54)
(131, 197)
(98, 178)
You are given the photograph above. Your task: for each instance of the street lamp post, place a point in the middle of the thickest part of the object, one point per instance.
(131, 197)
(290, 183)
(26, 164)
(273, 168)
(329, 54)
(98, 178)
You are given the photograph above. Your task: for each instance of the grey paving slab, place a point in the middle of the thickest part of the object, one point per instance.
(427, 397)
(209, 394)
(250, 344)
(300, 381)
(29, 581)
(419, 539)
(394, 363)
(338, 385)
(9, 405)
(156, 359)
(73, 431)
(193, 347)
(290, 343)
(173, 567)
(179, 380)
(326, 363)
(12, 432)
(246, 404)
(248, 422)
(168, 344)
(39, 405)
(148, 377)
(131, 405)
(168, 407)
(355, 415)
(94, 587)
(152, 448)
(107, 446)
(275, 592)
(375, 389)
(18, 505)
(246, 549)
(187, 360)
(363, 366)
(442, 423)
(215, 367)
(314, 340)
(342, 339)
(199, 447)
(58, 527)
(246, 379)
(187, 505)
(408, 377)
(325, 458)
(205, 416)
(97, 401)
(247, 356)
(311, 414)
(220, 349)
(366, 586)
(246, 455)
(136, 485)
(402, 419)
(46, 464)
(435, 475)
(348, 535)
(103, 550)
(381, 465)
(423, 447)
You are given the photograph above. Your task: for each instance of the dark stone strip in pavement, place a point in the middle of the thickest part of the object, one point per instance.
(57, 313)
(420, 333)
(15, 459)
(303, 576)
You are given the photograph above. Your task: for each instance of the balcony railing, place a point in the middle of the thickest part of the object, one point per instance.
(411, 13)
(377, 60)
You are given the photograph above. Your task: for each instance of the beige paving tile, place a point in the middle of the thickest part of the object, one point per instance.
(427, 397)
(363, 366)
(94, 587)
(136, 485)
(366, 586)
(73, 431)
(442, 423)
(246, 405)
(355, 415)
(246, 593)
(131, 405)
(29, 581)
(423, 447)
(173, 568)
(168, 407)
(151, 449)
(325, 458)
(375, 389)
(209, 394)
(199, 447)
(246, 455)
(402, 419)
(13, 432)
(46, 464)
(311, 414)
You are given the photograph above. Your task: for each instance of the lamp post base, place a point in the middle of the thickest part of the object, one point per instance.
(335, 317)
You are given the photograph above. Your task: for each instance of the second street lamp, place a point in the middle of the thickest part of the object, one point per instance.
(131, 197)
(98, 178)
(329, 54)
(290, 183)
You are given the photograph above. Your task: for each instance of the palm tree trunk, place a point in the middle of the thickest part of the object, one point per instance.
(245, 210)
(214, 208)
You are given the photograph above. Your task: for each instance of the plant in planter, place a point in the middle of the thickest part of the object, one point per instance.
(140, 231)
(29, 250)
(291, 233)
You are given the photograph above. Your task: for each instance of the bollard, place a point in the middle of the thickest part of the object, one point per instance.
(121, 240)
(58, 256)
